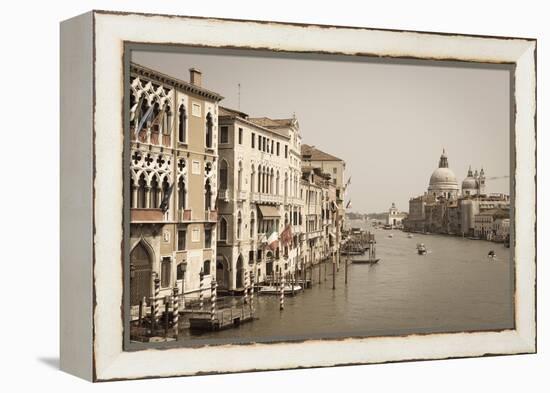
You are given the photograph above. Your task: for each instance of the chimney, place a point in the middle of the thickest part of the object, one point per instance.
(195, 76)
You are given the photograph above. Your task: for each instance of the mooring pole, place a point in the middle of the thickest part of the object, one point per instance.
(176, 311)
(252, 292)
(213, 303)
(245, 293)
(346, 261)
(201, 289)
(166, 309)
(333, 272)
(157, 300)
(140, 316)
(282, 294)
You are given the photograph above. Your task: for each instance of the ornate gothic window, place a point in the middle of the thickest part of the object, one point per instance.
(154, 198)
(223, 229)
(182, 124)
(141, 194)
(209, 130)
(207, 195)
(181, 194)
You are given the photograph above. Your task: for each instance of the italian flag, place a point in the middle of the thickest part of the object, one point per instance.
(273, 239)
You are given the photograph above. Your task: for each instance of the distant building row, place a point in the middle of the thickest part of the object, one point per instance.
(213, 190)
(468, 211)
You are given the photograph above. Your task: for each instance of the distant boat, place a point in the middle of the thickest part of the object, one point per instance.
(390, 235)
(421, 249)
(410, 235)
(276, 290)
(365, 260)
(491, 254)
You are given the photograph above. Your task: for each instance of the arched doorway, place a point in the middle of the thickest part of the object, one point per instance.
(222, 272)
(240, 272)
(140, 273)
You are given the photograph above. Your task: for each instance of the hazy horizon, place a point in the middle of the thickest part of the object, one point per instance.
(388, 121)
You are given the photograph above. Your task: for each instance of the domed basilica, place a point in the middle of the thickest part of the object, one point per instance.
(443, 182)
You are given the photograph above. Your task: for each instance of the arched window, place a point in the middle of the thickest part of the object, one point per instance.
(252, 178)
(223, 229)
(154, 198)
(167, 120)
(271, 181)
(141, 200)
(277, 181)
(259, 179)
(132, 196)
(142, 112)
(240, 177)
(182, 124)
(209, 130)
(207, 195)
(181, 194)
(239, 225)
(165, 190)
(223, 175)
(252, 225)
(154, 120)
(206, 268)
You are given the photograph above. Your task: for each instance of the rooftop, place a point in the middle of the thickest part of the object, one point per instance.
(311, 153)
(159, 77)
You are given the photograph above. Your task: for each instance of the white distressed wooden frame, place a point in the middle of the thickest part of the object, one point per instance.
(91, 194)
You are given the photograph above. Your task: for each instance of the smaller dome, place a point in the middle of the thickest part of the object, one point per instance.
(469, 183)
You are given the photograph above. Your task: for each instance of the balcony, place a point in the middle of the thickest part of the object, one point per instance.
(242, 195)
(266, 198)
(223, 195)
(184, 215)
(211, 216)
(146, 215)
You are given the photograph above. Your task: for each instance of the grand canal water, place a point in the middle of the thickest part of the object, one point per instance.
(455, 287)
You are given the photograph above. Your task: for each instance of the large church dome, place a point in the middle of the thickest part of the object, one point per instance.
(443, 179)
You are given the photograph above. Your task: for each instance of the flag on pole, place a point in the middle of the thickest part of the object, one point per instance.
(286, 235)
(144, 119)
(347, 183)
(165, 204)
(273, 239)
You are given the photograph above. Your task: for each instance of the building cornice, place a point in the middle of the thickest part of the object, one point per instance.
(159, 77)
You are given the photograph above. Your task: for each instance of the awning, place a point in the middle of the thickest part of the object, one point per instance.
(268, 211)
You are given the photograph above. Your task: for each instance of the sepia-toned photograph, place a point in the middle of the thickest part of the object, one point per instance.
(277, 196)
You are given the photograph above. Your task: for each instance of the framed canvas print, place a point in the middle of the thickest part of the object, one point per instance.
(248, 195)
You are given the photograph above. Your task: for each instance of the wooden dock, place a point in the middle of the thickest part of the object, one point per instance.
(224, 319)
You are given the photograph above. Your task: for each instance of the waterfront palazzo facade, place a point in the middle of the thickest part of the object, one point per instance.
(218, 194)
(173, 182)
(466, 211)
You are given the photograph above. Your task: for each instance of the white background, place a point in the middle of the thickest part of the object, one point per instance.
(29, 109)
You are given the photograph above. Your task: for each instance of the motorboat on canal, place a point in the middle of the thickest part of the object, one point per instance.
(421, 249)
(276, 290)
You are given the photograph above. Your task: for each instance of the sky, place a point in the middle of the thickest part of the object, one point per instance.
(389, 120)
